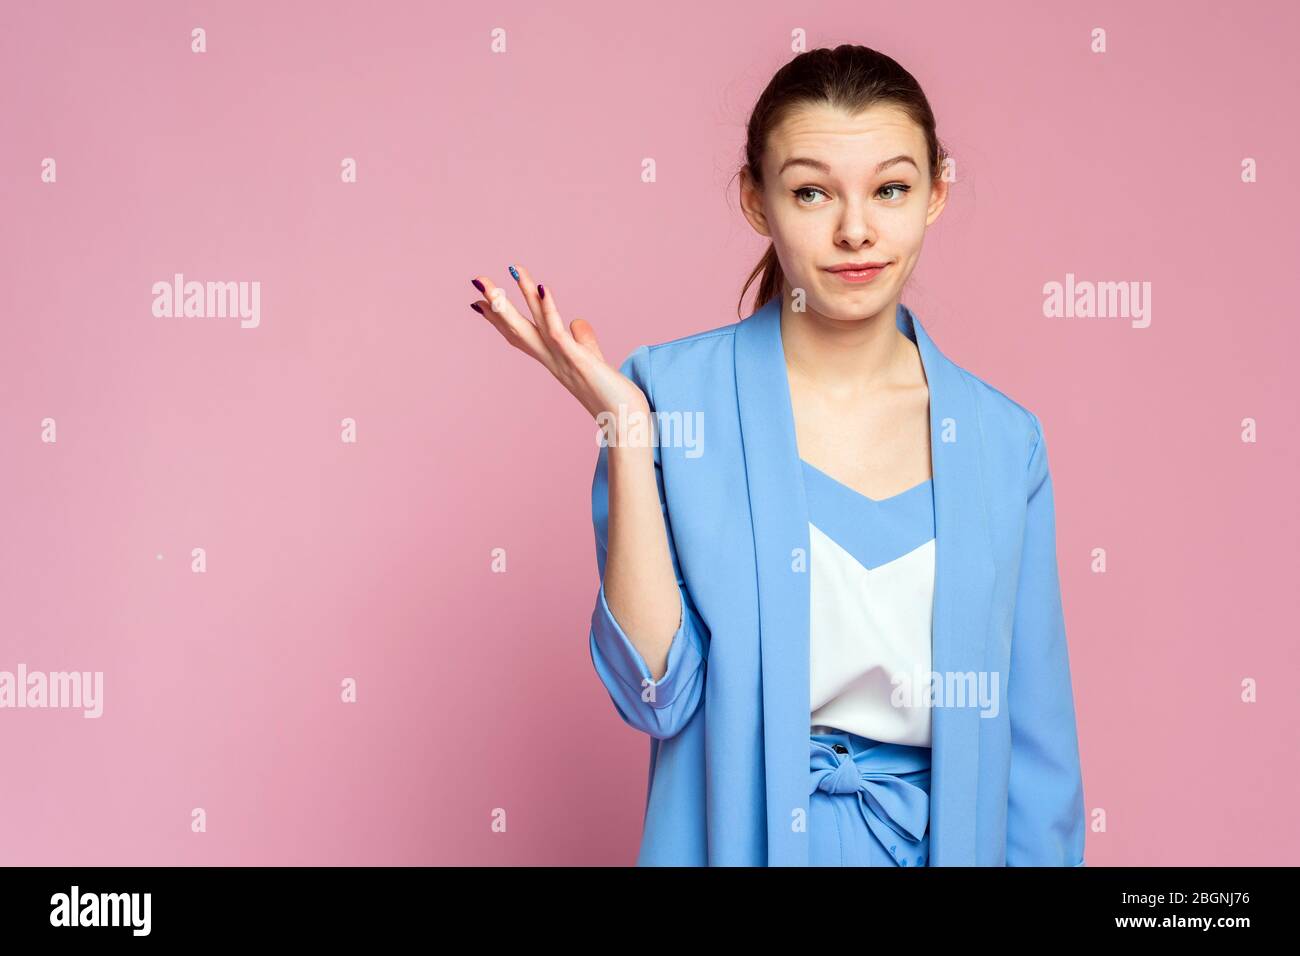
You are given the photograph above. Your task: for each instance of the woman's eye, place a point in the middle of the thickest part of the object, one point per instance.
(896, 191)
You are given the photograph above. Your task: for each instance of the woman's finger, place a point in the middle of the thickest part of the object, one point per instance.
(515, 328)
(545, 315)
(585, 336)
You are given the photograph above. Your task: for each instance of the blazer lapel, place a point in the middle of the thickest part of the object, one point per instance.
(965, 576)
(964, 582)
(779, 513)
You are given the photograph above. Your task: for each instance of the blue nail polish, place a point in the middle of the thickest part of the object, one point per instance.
(514, 273)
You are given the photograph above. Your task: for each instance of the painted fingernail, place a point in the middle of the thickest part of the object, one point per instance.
(541, 292)
(476, 307)
(514, 273)
(478, 285)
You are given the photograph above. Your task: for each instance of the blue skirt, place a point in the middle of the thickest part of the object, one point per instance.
(869, 802)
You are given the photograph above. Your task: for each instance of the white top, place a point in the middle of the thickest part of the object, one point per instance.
(872, 600)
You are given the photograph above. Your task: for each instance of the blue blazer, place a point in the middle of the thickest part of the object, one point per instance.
(729, 720)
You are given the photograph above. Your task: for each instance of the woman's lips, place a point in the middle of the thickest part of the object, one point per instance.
(859, 275)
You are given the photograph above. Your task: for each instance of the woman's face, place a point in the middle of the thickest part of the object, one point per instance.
(835, 193)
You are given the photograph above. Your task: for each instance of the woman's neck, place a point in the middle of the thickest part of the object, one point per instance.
(844, 358)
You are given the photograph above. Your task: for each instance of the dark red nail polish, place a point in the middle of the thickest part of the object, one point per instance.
(476, 307)
(478, 285)
(541, 292)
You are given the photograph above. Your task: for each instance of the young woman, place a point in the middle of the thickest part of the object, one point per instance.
(827, 553)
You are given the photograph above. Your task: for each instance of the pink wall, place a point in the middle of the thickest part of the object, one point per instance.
(372, 560)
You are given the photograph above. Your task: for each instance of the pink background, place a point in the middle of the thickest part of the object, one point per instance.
(373, 560)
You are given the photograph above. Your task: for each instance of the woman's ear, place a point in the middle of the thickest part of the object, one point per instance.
(751, 203)
(938, 200)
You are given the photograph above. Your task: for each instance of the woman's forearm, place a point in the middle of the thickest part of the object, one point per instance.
(640, 583)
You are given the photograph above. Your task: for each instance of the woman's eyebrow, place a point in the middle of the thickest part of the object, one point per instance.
(822, 167)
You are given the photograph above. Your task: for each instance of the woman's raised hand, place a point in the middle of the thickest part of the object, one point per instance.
(569, 353)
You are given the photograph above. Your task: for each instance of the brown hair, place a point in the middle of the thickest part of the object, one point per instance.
(850, 77)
